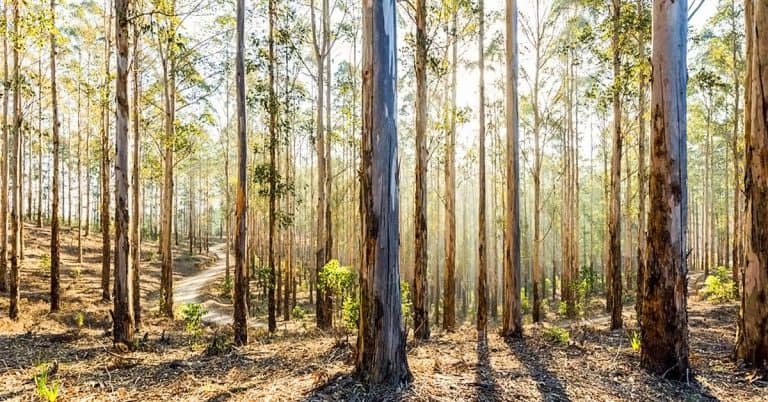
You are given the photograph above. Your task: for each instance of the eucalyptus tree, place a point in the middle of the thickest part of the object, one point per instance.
(664, 318)
(381, 357)
(14, 162)
(55, 256)
(241, 207)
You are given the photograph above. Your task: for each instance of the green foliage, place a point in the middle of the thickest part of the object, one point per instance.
(80, 319)
(298, 313)
(634, 340)
(557, 334)
(45, 263)
(192, 314)
(46, 392)
(218, 345)
(351, 312)
(525, 303)
(225, 288)
(405, 303)
(719, 288)
(336, 278)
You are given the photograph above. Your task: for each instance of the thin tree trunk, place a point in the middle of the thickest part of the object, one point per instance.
(511, 310)
(55, 258)
(15, 171)
(241, 206)
(105, 247)
(615, 301)
(482, 269)
(4, 163)
(136, 181)
(272, 110)
(449, 279)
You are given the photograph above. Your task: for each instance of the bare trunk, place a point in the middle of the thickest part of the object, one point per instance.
(614, 301)
(104, 222)
(4, 165)
(136, 181)
(482, 264)
(14, 159)
(381, 354)
(55, 257)
(449, 285)
(272, 110)
(664, 320)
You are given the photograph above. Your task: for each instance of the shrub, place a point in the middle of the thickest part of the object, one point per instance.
(351, 308)
(192, 314)
(218, 345)
(719, 288)
(336, 278)
(634, 340)
(298, 313)
(351, 312)
(225, 288)
(45, 263)
(48, 392)
(525, 303)
(557, 334)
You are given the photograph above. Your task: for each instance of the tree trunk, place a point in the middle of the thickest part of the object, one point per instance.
(55, 258)
(664, 320)
(614, 299)
(123, 318)
(241, 207)
(482, 268)
(136, 181)
(104, 223)
(752, 342)
(15, 170)
(166, 225)
(420, 309)
(511, 311)
(4, 165)
(449, 279)
(272, 110)
(381, 354)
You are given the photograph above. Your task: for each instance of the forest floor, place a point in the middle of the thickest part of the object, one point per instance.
(301, 363)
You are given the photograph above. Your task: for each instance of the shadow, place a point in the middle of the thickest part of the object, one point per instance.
(550, 387)
(485, 381)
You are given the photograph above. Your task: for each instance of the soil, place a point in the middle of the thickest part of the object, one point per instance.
(302, 363)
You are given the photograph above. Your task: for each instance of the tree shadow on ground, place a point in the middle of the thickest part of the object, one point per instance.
(485, 378)
(550, 387)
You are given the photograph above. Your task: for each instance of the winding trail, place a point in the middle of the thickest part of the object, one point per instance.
(193, 288)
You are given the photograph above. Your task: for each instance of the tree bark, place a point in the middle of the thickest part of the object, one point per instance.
(449, 279)
(241, 206)
(15, 170)
(752, 342)
(166, 225)
(482, 268)
(272, 110)
(4, 164)
(123, 318)
(104, 223)
(664, 320)
(511, 311)
(381, 354)
(614, 300)
(55, 257)
(136, 180)
(420, 309)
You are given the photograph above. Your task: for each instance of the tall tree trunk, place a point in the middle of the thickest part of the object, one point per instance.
(166, 226)
(420, 309)
(642, 182)
(15, 170)
(4, 163)
(482, 267)
(381, 354)
(511, 311)
(123, 318)
(449, 279)
(105, 247)
(79, 175)
(136, 180)
(664, 320)
(55, 258)
(39, 143)
(272, 110)
(615, 301)
(241, 206)
(752, 342)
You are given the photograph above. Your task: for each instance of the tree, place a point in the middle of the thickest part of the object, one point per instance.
(664, 320)
(241, 206)
(381, 342)
(752, 339)
(420, 308)
(123, 319)
(14, 171)
(55, 258)
(449, 279)
(482, 267)
(4, 162)
(511, 312)
(105, 113)
(272, 110)
(136, 179)
(614, 301)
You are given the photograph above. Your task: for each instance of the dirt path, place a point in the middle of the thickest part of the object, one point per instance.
(193, 289)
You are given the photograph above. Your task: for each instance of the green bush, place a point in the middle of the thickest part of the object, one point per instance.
(225, 288)
(298, 313)
(47, 392)
(192, 314)
(351, 308)
(557, 334)
(719, 288)
(634, 341)
(351, 312)
(336, 278)
(525, 303)
(45, 263)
